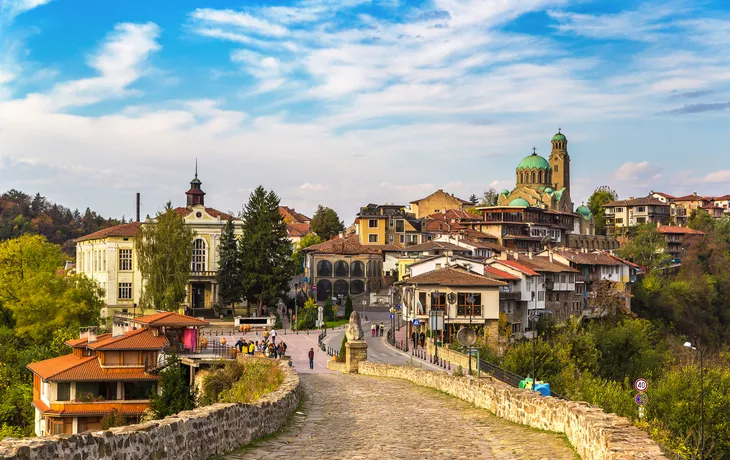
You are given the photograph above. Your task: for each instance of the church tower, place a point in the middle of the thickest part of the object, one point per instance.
(560, 162)
(195, 195)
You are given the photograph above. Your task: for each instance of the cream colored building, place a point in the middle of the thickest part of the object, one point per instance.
(109, 257)
(438, 202)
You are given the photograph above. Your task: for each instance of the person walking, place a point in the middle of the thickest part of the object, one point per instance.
(239, 345)
(372, 329)
(414, 337)
(382, 328)
(251, 348)
(272, 334)
(423, 340)
(311, 358)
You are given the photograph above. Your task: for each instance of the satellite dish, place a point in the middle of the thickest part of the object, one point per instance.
(466, 336)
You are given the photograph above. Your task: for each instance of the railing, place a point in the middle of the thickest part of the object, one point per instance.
(211, 350)
(320, 340)
(508, 377)
(203, 273)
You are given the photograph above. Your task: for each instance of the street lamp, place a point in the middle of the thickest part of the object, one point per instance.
(296, 307)
(434, 324)
(702, 394)
(470, 300)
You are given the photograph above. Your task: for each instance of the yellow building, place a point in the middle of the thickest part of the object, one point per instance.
(438, 202)
(109, 257)
(388, 224)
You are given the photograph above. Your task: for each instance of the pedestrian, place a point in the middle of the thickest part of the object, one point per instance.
(414, 337)
(251, 348)
(272, 334)
(284, 346)
(372, 329)
(311, 358)
(423, 339)
(239, 345)
(382, 329)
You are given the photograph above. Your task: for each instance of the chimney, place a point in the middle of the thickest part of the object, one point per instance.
(88, 333)
(118, 329)
(138, 196)
(529, 254)
(550, 255)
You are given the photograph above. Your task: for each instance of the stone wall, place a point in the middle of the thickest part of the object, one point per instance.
(594, 434)
(189, 435)
(454, 357)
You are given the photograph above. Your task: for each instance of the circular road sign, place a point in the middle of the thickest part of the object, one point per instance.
(641, 399)
(641, 385)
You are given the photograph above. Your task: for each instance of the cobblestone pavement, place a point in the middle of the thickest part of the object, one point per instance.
(361, 417)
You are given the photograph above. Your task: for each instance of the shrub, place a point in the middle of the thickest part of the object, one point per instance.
(328, 312)
(343, 349)
(177, 395)
(348, 306)
(220, 380)
(113, 419)
(459, 372)
(259, 377)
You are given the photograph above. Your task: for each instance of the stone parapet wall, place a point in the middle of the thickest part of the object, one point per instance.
(190, 435)
(337, 366)
(594, 434)
(454, 357)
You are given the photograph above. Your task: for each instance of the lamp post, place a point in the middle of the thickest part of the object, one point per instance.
(701, 352)
(296, 307)
(470, 300)
(434, 324)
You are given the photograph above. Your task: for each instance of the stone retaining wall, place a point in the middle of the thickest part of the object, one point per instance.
(190, 435)
(594, 434)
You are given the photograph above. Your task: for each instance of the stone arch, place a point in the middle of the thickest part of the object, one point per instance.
(533, 177)
(357, 270)
(357, 287)
(539, 176)
(324, 288)
(340, 288)
(324, 268)
(341, 268)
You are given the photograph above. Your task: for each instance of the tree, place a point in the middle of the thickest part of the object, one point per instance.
(307, 315)
(348, 307)
(489, 198)
(473, 198)
(177, 395)
(326, 223)
(164, 254)
(343, 349)
(701, 220)
(328, 312)
(230, 274)
(608, 301)
(601, 196)
(647, 248)
(266, 252)
(310, 239)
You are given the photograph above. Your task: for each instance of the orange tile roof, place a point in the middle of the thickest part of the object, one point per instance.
(186, 210)
(170, 319)
(69, 368)
(140, 339)
(453, 277)
(124, 230)
(517, 266)
(290, 215)
(499, 274)
(348, 246)
(51, 367)
(299, 229)
(81, 342)
(678, 230)
(87, 409)
(543, 264)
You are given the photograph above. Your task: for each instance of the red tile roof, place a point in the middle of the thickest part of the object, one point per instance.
(140, 339)
(543, 264)
(187, 210)
(170, 319)
(499, 274)
(290, 215)
(586, 258)
(434, 245)
(297, 229)
(124, 230)
(693, 197)
(345, 246)
(455, 214)
(453, 277)
(665, 195)
(678, 230)
(81, 342)
(88, 409)
(517, 266)
(49, 368)
(441, 191)
(69, 368)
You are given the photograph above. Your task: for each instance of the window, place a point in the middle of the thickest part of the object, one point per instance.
(579, 288)
(199, 255)
(642, 209)
(400, 226)
(373, 223)
(571, 278)
(401, 239)
(438, 302)
(138, 390)
(125, 259)
(619, 221)
(540, 296)
(641, 220)
(464, 308)
(372, 238)
(555, 168)
(103, 260)
(125, 291)
(63, 392)
(619, 209)
(390, 238)
(390, 223)
(562, 278)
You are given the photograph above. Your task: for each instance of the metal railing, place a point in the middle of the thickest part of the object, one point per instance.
(320, 340)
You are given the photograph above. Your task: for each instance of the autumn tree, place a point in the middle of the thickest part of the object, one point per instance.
(701, 220)
(164, 254)
(601, 196)
(326, 223)
(230, 272)
(307, 240)
(647, 248)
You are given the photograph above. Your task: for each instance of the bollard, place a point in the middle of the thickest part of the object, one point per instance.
(449, 365)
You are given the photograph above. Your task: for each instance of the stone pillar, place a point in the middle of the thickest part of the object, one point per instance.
(356, 351)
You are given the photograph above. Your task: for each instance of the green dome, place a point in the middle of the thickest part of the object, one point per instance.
(504, 192)
(584, 211)
(548, 190)
(559, 137)
(519, 202)
(534, 161)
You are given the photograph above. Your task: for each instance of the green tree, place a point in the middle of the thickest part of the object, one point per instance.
(326, 223)
(343, 349)
(473, 198)
(310, 239)
(489, 198)
(601, 196)
(230, 273)
(307, 315)
(266, 252)
(164, 254)
(701, 220)
(176, 395)
(328, 312)
(348, 307)
(647, 248)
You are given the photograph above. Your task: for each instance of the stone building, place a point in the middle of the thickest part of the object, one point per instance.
(624, 214)
(438, 202)
(377, 225)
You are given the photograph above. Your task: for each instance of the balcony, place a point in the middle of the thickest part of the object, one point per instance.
(510, 295)
(104, 407)
(203, 274)
(549, 285)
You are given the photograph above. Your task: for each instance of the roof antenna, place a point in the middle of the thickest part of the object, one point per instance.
(196, 167)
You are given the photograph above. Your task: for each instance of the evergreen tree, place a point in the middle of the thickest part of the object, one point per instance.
(348, 307)
(328, 312)
(230, 275)
(265, 250)
(164, 254)
(473, 198)
(326, 223)
(177, 395)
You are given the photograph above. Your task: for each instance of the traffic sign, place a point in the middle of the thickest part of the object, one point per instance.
(641, 385)
(305, 280)
(416, 322)
(641, 399)
(391, 316)
(314, 288)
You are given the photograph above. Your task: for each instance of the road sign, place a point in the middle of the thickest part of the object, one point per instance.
(391, 316)
(641, 399)
(416, 322)
(641, 412)
(641, 385)
(305, 280)
(314, 288)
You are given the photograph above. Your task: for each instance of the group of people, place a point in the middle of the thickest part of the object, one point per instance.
(377, 330)
(268, 346)
(418, 339)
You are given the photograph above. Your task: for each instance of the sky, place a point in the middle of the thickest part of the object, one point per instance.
(350, 102)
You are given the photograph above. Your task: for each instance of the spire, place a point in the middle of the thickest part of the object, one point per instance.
(195, 195)
(196, 164)
(534, 150)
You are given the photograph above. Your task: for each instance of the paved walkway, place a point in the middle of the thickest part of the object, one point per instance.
(360, 417)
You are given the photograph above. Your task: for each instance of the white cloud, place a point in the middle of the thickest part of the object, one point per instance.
(717, 176)
(314, 187)
(630, 171)
(9, 9)
(240, 20)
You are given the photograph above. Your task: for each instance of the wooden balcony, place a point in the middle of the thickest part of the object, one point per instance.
(101, 407)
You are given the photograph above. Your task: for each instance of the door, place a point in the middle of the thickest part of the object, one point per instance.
(197, 295)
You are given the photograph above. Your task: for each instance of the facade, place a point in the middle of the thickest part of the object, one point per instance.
(624, 214)
(678, 238)
(438, 202)
(388, 224)
(448, 292)
(109, 256)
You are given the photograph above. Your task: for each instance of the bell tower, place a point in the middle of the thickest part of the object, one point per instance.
(560, 162)
(195, 195)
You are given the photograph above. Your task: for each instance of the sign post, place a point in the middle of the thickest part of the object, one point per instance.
(641, 398)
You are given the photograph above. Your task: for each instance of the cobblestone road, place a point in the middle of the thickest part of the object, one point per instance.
(360, 417)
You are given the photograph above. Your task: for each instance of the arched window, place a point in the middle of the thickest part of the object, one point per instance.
(324, 289)
(357, 287)
(371, 269)
(539, 177)
(341, 288)
(533, 177)
(357, 270)
(341, 268)
(200, 256)
(555, 168)
(324, 268)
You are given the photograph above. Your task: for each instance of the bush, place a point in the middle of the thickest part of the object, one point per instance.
(220, 380)
(348, 307)
(328, 312)
(307, 315)
(343, 349)
(113, 419)
(259, 377)
(177, 395)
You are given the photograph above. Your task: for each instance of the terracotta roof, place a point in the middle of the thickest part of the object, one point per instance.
(441, 191)
(387, 247)
(452, 277)
(518, 266)
(434, 245)
(124, 230)
(71, 368)
(81, 342)
(636, 202)
(722, 198)
(297, 229)
(170, 319)
(693, 197)
(140, 339)
(290, 215)
(455, 214)
(587, 258)
(86, 409)
(51, 367)
(665, 195)
(543, 264)
(499, 274)
(678, 230)
(185, 211)
(345, 246)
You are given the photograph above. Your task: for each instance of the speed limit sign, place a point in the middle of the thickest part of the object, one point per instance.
(641, 385)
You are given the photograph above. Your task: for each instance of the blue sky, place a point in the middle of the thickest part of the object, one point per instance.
(354, 101)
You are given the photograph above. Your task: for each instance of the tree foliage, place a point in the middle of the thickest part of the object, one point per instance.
(176, 394)
(326, 223)
(647, 248)
(701, 220)
(310, 239)
(489, 198)
(601, 196)
(266, 252)
(230, 271)
(328, 312)
(307, 315)
(348, 306)
(164, 253)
